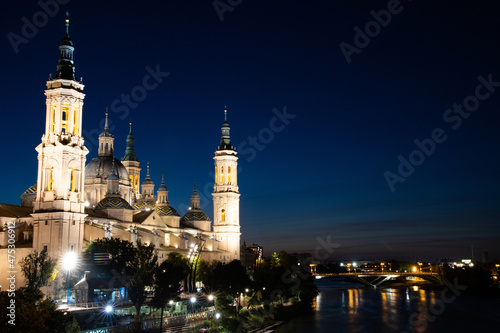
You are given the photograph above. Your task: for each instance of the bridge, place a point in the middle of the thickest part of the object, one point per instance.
(373, 279)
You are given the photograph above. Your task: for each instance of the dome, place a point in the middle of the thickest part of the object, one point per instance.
(166, 211)
(113, 202)
(31, 190)
(144, 205)
(195, 216)
(100, 167)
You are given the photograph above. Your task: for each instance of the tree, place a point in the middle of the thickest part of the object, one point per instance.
(168, 277)
(119, 253)
(231, 278)
(38, 269)
(35, 316)
(205, 274)
(142, 267)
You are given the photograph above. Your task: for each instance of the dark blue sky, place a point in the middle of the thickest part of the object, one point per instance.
(319, 175)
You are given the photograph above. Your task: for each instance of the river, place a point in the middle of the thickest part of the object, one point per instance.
(343, 307)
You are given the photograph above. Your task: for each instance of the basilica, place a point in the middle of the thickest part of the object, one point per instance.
(74, 202)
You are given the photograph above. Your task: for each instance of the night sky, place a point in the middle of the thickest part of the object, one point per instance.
(319, 128)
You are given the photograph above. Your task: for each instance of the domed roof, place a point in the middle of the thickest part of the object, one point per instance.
(195, 216)
(31, 190)
(113, 202)
(166, 211)
(144, 205)
(101, 166)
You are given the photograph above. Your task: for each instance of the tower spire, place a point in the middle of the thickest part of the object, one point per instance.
(130, 150)
(106, 139)
(195, 199)
(65, 66)
(162, 187)
(225, 141)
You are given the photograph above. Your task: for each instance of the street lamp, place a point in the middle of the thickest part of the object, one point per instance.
(192, 300)
(108, 309)
(217, 317)
(68, 264)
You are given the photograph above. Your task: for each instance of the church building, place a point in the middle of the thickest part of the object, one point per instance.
(74, 202)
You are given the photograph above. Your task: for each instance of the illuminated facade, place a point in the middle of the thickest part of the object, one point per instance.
(73, 203)
(226, 196)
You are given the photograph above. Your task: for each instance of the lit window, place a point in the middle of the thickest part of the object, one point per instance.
(229, 174)
(64, 119)
(50, 186)
(75, 121)
(73, 180)
(222, 174)
(53, 118)
(223, 215)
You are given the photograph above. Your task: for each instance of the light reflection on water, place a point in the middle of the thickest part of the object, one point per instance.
(343, 307)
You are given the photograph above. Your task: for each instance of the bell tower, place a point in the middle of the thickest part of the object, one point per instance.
(226, 197)
(59, 205)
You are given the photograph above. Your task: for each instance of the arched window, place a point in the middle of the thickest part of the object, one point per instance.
(106, 147)
(222, 174)
(229, 175)
(223, 215)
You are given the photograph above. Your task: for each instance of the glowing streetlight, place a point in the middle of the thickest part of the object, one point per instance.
(68, 264)
(217, 315)
(171, 302)
(192, 299)
(108, 309)
(210, 298)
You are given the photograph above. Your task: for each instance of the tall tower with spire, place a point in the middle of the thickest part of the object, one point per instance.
(226, 197)
(58, 209)
(131, 163)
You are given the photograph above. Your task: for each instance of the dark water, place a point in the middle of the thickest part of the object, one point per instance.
(344, 307)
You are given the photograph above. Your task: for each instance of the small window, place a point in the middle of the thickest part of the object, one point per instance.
(45, 248)
(72, 247)
(73, 222)
(46, 222)
(223, 215)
